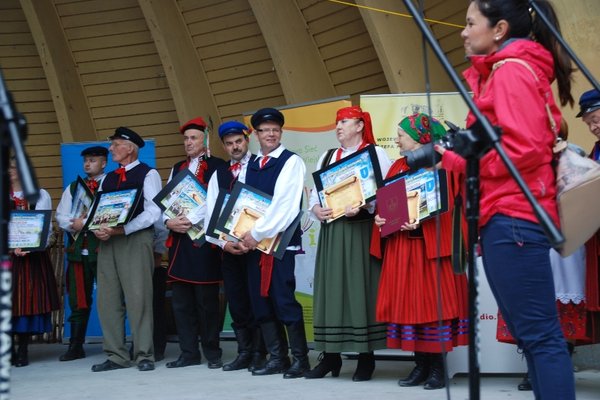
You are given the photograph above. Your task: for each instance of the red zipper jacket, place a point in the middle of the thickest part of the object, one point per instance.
(515, 101)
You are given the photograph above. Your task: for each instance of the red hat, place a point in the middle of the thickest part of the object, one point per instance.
(355, 112)
(196, 123)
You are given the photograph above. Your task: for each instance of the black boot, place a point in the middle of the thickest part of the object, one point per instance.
(277, 348)
(419, 373)
(328, 362)
(364, 367)
(244, 357)
(22, 356)
(299, 349)
(436, 379)
(75, 350)
(259, 351)
(525, 384)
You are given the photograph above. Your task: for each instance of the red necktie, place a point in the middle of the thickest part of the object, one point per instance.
(235, 169)
(264, 161)
(121, 172)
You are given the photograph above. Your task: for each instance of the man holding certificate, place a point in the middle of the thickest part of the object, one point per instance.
(234, 136)
(195, 268)
(279, 173)
(346, 276)
(81, 247)
(126, 259)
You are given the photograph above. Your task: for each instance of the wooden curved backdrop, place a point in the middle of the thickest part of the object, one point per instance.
(80, 68)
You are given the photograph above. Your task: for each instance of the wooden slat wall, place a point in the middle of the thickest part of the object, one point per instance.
(234, 54)
(121, 73)
(346, 48)
(449, 37)
(25, 78)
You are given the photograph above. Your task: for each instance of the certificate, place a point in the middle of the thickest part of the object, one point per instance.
(112, 208)
(28, 229)
(82, 202)
(431, 186)
(179, 197)
(212, 230)
(359, 171)
(345, 193)
(244, 207)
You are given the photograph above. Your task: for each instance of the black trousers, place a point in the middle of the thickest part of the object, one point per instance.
(196, 311)
(235, 281)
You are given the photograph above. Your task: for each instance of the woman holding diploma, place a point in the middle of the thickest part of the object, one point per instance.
(408, 290)
(346, 276)
(34, 293)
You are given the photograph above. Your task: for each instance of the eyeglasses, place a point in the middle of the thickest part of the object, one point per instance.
(269, 130)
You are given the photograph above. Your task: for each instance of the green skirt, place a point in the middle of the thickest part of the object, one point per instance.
(345, 289)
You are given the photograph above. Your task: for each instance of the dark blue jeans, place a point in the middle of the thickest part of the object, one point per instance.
(517, 264)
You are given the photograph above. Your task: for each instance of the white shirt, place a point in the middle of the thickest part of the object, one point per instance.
(213, 192)
(287, 196)
(151, 213)
(384, 164)
(63, 211)
(197, 214)
(43, 203)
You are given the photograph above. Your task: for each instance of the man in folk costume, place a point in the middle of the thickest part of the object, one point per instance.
(346, 276)
(251, 352)
(279, 173)
(195, 271)
(126, 260)
(81, 252)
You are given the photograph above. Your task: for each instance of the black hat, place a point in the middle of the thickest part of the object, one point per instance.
(266, 114)
(588, 102)
(95, 151)
(127, 134)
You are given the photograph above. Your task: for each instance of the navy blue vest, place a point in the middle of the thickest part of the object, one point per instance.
(264, 179)
(135, 179)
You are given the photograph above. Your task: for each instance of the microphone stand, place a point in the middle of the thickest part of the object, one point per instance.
(12, 132)
(472, 145)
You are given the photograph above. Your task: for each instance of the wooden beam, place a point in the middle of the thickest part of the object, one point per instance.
(398, 43)
(297, 61)
(189, 86)
(70, 102)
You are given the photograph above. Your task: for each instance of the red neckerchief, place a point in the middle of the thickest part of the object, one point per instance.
(92, 184)
(200, 169)
(122, 175)
(338, 154)
(20, 204)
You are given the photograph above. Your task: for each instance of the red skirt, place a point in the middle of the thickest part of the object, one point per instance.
(408, 298)
(34, 285)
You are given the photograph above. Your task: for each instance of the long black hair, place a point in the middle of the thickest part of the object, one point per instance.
(523, 24)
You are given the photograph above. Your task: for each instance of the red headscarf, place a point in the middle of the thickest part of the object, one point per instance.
(355, 112)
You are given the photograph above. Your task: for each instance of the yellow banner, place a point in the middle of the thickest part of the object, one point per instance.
(388, 110)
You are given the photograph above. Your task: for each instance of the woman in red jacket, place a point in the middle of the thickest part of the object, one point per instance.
(510, 77)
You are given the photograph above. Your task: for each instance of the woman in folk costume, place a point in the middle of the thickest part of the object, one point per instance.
(408, 290)
(34, 290)
(346, 275)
